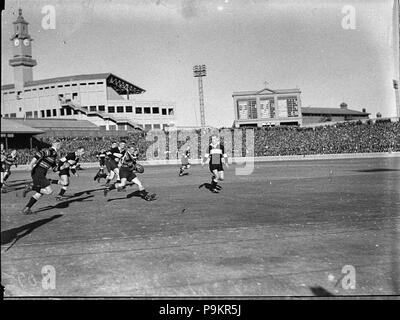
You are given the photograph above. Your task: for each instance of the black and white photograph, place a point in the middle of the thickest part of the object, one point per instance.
(200, 149)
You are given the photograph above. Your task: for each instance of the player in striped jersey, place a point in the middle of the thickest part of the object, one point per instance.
(3, 166)
(114, 155)
(127, 175)
(9, 161)
(43, 161)
(64, 166)
(101, 156)
(185, 162)
(215, 154)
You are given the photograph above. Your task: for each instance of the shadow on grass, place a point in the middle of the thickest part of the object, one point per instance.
(378, 170)
(128, 196)
(321, 292)
(13, 235)
(63, 204)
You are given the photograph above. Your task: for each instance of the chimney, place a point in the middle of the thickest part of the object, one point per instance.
(343, 105)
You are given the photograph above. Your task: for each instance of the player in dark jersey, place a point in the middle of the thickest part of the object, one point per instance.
(101, 156)
(3, 167)
(9, 161)
(215, 153)
(185, 162)
(64, 166)
(127, 175)
(114, 155)
(43, 161)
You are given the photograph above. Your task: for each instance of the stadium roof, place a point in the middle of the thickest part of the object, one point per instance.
(331, 111)
(57, 124)
(265, 91)
(11, 126)
(117, 83)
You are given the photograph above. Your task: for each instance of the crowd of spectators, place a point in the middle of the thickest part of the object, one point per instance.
(352, 137)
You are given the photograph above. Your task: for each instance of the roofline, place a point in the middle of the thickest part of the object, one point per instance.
(259, 92)
(80, 77)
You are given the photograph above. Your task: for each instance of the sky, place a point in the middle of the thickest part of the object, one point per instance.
(155, 43)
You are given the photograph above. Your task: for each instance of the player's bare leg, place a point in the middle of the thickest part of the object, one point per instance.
(27, 209)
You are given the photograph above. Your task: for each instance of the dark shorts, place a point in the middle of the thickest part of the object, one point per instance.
(64, 172)
(126, 173)
(39, 179)
(217, 167)
(111, 165)
(102, 162)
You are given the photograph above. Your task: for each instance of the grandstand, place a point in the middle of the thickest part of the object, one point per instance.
(104, 99)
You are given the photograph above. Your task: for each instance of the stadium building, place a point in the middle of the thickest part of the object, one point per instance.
(269, 107)
(104, 99)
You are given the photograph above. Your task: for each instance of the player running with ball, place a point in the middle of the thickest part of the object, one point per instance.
(127, 169)
(215, 154)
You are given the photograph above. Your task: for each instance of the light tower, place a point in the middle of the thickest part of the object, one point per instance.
(199, 71)
(22, 61)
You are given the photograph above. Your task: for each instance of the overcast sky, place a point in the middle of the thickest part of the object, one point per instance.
(155, 44)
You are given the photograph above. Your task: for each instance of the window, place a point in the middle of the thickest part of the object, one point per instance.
(67, 85)
(111, 109)
(93, 108)
(34, 89)
(138, 110)
(13, 115)
(20, 109)
(102, 128)
(42, 114)
(85, 107)
(76, 112)
(164, 112)
(6, 115)
(46, 88)
(157, 126)
(62, 112)
(99, 82)
(52, 87)
(156, 110)
(102, 108)
(27, 90)
(121, 127)
(147, 127)
(35, 114)
(69, 111)
(48, 113)
(147, 110)
(83, 84)
(54, 112)
(111, 128)
(60, 86)
(129, 109)
(170, 111)
(74, 84)
(91, 83)
(74, 95)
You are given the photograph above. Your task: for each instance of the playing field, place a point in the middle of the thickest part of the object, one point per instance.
(288, 229)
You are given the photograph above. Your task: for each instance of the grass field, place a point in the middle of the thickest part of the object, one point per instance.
(288, 229)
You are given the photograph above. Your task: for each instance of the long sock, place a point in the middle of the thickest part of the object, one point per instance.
(112, 187)
(108, 181)
(62, 191)
(31, 202)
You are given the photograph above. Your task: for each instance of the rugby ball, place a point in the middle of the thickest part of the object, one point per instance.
(139, 168)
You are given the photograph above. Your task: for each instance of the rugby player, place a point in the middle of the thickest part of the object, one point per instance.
(185, 162)
(64, 166)
(7, 163)
(127, 175)
(101, 156)
(114, 155)
(217, 157)
(43, 161)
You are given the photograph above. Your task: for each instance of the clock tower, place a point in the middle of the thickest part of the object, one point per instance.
(22, 61)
